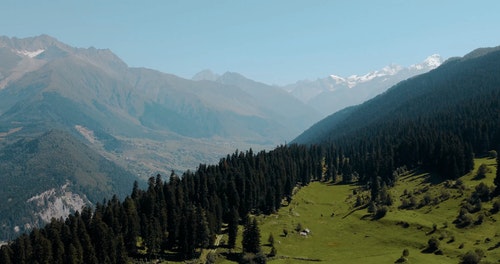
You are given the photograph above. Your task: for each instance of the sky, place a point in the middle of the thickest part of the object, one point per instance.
(272, 41)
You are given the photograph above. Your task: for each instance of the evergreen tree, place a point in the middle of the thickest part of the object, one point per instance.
(251, 237)
(5, 255)
(232, 228)
(496, 181)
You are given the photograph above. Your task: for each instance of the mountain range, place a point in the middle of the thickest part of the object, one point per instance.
(114, 124)
(333, 93)
(144, 121)
(445, 94)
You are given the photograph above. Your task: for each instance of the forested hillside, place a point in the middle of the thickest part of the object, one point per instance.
(31, 167)
(180, 215)
(437, 120)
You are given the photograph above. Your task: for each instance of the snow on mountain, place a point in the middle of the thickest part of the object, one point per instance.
(334, 92)
(30, 54)
(431, 63)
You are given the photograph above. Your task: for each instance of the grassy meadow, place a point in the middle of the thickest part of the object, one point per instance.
(342, 233)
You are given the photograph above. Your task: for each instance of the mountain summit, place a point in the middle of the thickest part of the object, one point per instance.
(330, 94)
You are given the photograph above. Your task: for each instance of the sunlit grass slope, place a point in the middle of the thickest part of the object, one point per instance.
(341, 234)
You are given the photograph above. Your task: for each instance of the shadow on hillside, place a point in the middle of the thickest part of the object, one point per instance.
(432, 178)
(232, 256)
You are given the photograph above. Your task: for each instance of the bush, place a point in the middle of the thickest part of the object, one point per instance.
(472, 257)
(250, 258)
(482, 192)
(381, 212)
(492, 154)
(496, 207)
(479, 220)
(273, 252)
(211, 258)
(432, 245)
(463, 219)
(401, 260)
(481, 172)
(426, 200)
(271, 239)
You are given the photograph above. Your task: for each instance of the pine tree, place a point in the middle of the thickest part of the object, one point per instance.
(5, 255)
(496, 181)
(251, 237)
(232, 228)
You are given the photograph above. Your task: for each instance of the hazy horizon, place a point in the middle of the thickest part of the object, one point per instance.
(277, 42)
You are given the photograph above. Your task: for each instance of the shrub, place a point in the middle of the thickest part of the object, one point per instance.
(472, 257)
(211, 258)
(271, 239)
(463, 219)
(481, 172)
(401, 260)
(479, 220)
(432, 245)
(496, 207)
(426, 200)
(445, 195)
(359, 201)
(381, 212)
(273, 252)
(251, 258)
(482, 192)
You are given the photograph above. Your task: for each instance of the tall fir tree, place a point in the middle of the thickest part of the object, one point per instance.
(251, 236)
(232, 228)
(496, 181)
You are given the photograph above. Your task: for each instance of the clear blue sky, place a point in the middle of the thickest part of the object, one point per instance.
(272, 41)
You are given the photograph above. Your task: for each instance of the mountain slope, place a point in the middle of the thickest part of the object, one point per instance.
(131, 111)
(437, 121)
(283, 106)
(458, 82)
(53, 161)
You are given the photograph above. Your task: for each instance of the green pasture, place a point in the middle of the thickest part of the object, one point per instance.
(339, 233)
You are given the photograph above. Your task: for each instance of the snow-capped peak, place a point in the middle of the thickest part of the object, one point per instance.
(30, 54)
(337, 79)
(433, 61)
(430, 63)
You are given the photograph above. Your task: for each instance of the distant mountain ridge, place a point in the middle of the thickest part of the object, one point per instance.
(456, 84)
(333, 93)
(138, 122)
(106, 96)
